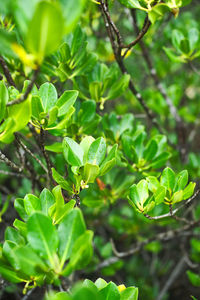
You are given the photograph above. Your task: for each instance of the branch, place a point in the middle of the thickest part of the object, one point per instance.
(140, 35)
(171, 279)
(163, 236)
(9, 163)
(117, 53)
(26, 149)
(179, 122)
(28, 90)
(46, 156)
(7, 72)
(173, 212)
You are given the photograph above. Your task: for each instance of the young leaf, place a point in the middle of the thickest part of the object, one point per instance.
(48, 94)
(90, 172)
(168, 179)
(67, 99)
(47, 200)
(73, 153)
(130, 293)
(97, 151)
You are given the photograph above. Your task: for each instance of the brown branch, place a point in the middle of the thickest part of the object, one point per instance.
(117, 53)
(46, 156)
(26, 149)
(7, 72)
(163, 236)
(140, 35)
(180, 126)
(9, 163)
(28, 90)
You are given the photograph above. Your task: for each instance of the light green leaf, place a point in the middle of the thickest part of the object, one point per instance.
(168, 179)
(90, 172)
(31, 204)
(73, 153)
(45, 30)
(67, 99)
(47, 200)
(130, 293)
(97, 151)
(48, 94)
(142, 188)
(3, 99)
(189, 190)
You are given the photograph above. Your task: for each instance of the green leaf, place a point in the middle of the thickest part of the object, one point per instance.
(159, 195)
(168, 179)
(29, 262)
(3, 99)
(37, 107)
(45, 30)
(134, 195)
(189, 190)
(142, 188)
(182, 180)
(177, 197)
(47, 200)
(130, 293)
(72, 12)
(61, 181)
(56, 147)
(48, 94)
(90, 172)
(73, 153)
(81, 253)
(19, 206)
(42, 236)
(69, 230)
(153, 183)
(110, 161)
(9, 274)
(130, 3)
(151, 150)
(157, 12)
(100, 283)
(31, 204)
(97, 151)
(194, 278)
(87, 112)
(85, 145)
(118, 87)
(67, 99)
(14, 236)
(110, 292)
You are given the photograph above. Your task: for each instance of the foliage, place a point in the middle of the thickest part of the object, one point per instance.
(99, 149)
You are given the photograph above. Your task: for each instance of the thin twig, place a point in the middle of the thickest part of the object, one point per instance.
(28, 90)
(7, 72)
(30, 153)
(171, 279)
(46, 156)
(117, 53)
(163, 236)
(9, 163)
(12, 174)
(173, 212)
(181, 130)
